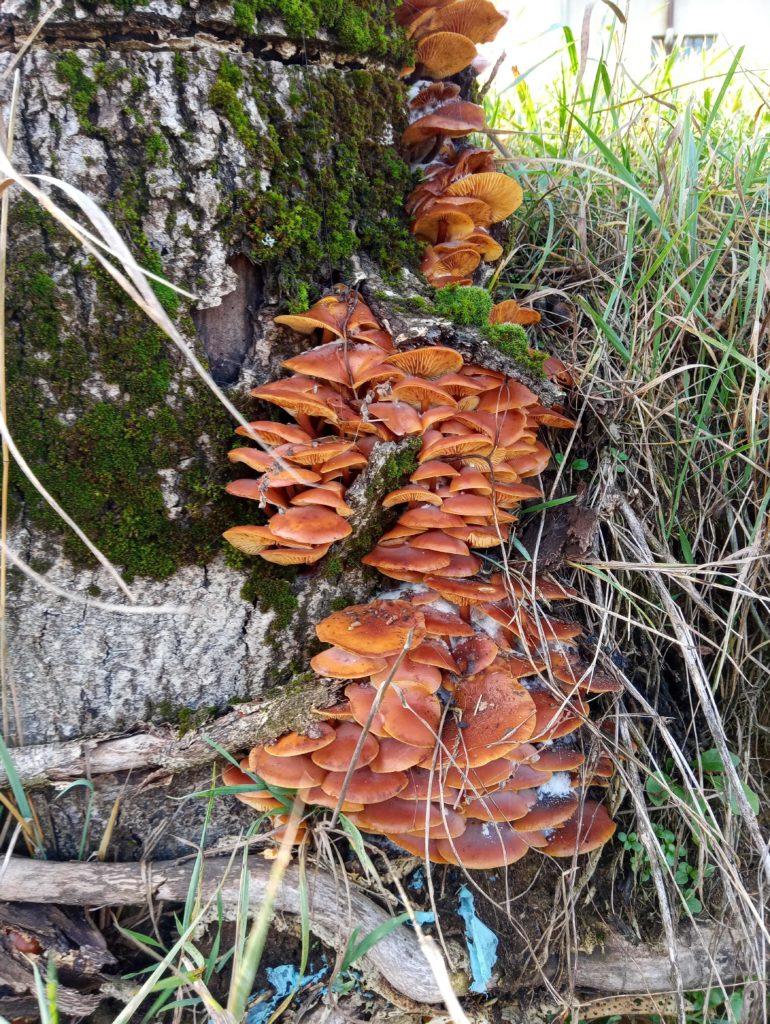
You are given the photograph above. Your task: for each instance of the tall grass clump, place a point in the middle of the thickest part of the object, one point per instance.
(644, 239)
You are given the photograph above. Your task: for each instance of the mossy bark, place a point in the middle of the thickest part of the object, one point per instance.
(247, 152)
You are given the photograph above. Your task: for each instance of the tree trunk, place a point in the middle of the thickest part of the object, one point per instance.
(245, 158)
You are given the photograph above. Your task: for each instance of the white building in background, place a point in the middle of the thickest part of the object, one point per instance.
(534, 39)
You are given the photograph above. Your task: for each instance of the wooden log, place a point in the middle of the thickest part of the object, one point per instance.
(334, 911)
(706, 955)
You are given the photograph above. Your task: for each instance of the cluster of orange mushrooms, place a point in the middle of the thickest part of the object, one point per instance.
(458, 736)
(461, 194)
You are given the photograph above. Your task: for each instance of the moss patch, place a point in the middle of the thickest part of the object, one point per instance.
(269, 587)
(88, 408)
(466, 305)
(360, 27)
(337, 186)
(512, 341)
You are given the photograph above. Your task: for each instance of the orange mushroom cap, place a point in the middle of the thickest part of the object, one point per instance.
(338, 664)
(588, 829)
(380, 628)
(312, 524)
(443, 54)
(365, 786)
(318, 735)
(484, 845)
(337, 756)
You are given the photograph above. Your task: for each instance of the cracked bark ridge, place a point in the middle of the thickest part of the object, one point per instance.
(166, 25)
(77, 948)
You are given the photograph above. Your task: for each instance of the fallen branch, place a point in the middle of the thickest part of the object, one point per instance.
(334, 909)
(161, 748)
(702, 952)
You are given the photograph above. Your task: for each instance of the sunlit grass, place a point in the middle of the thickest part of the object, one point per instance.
(647, 212)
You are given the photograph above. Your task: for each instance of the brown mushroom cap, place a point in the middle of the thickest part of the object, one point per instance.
(436, 653)
(259, 799)
(475, 654)
(451, 826)
(406, 672)
(338, 664)
(338, 755)
(588, 829)
(477, 780)
(454, 119)
(294, 555)
(290, 772)
(426, 518)
(425, 784)
(365, 787)
(465, 592)
(456, 445)
(380, 628)
(400, 418)
(432, 361)
(442, 223)
(547, 812)
(432, 469)
(500, 806)
(557, 715)
(499, 191)
(274, 434)
(402, 557)
(311, 524)
(318, 798)
(318, 735)
(510, 312)
(495, 710)
(436, 540)
(443, 54)
(417, 846)
(434, 95)
(559, 759)
(397, 815)
(484, 845)
(410, 493)
(251, 540)
(478, 20)
(395, 756)
(441, 623)
(411, 714)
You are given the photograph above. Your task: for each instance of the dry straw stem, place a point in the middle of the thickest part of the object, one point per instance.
(699, 678)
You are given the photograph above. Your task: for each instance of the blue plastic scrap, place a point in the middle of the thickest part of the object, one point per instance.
(282, 980)
(481, 942)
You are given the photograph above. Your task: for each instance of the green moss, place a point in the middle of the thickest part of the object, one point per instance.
(358, 26)
(337, 186)
(224, 96)
(466, 305)
(81, 90)
(156, 149)
(512, 341)
(102, 430)
(181, 67)
(269, 588)
(332, 569)
(399, 467)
